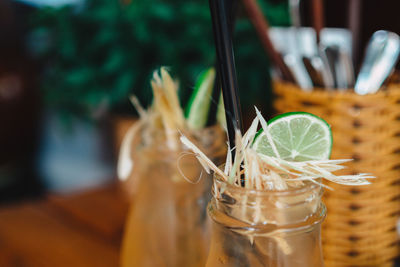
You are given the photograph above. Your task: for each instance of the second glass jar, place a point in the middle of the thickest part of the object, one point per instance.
(167, 223)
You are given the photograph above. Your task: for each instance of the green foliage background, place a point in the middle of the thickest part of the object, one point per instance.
(108, 49)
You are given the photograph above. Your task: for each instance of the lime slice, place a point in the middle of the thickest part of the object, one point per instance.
(200, 101)
(297, 136)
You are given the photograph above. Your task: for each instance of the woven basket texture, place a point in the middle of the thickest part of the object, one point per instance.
(360, 228)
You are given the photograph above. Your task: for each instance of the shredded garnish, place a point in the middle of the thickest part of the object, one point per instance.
(164, 116)
(166, 106)
(262, 172)
(163, 122)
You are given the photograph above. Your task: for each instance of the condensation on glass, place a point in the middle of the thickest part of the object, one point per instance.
(168, 224)
(265, 228)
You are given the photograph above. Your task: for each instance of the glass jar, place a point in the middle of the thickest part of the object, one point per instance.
(167, 223)
(265, 228)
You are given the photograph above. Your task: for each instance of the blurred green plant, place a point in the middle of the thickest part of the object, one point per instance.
(100, 54)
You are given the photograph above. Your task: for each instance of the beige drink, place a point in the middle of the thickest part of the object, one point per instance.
(168, 223)
(265, 229)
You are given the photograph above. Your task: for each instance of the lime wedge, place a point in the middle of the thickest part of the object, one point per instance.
(297, 136)
(200, 101)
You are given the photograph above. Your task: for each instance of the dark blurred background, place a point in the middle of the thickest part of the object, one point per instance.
(67, 68)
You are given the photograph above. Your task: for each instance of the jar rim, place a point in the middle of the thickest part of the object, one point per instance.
(159, 146)
(309, 186)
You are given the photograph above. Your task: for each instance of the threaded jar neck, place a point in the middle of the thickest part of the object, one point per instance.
(256, 208)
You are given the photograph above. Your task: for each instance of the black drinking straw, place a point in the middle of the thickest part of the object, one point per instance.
(221, 15)
(212, 116)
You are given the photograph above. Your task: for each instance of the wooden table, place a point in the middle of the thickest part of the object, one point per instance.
(76, 230)
(83, 229)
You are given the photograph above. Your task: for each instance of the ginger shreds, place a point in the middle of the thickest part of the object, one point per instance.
(166, 104)
(263, 123)
(165, 116)
(262, 172)
(125, 162)
(166, 113)
(139, 108)
(228, 161)
(205, 159)
(171, 94)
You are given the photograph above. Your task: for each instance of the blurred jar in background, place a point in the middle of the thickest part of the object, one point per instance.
(18, 109)
(167, 223)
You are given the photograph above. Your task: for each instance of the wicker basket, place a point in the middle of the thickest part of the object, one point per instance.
(360, 229)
